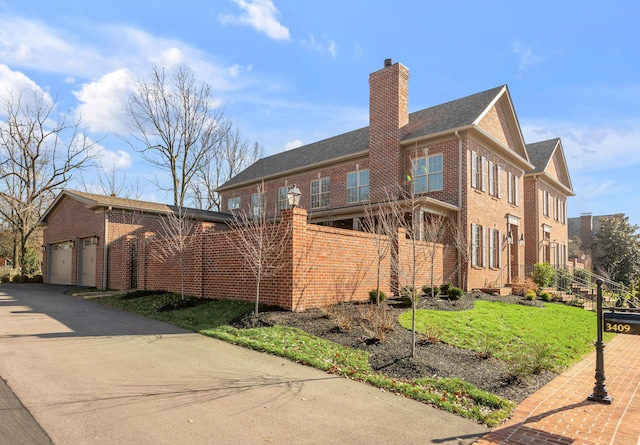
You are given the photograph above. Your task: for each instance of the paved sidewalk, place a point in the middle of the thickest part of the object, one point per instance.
(560, 413)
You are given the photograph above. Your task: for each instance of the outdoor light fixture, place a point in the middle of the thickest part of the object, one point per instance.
(293, 196)
(94, 240)
(43, 248)
(522, 239)
(509, 237)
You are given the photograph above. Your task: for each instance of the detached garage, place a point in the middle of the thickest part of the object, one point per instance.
(95, 240)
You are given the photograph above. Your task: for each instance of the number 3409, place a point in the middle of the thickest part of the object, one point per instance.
(617, 327)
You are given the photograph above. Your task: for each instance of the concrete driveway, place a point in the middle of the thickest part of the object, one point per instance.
(93, 375)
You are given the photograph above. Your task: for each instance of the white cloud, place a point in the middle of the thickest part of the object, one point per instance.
(114, 160)
(293, 144)
(330, 46)
(101, 102)
(588, 147)
(526, 55)
(261, 15)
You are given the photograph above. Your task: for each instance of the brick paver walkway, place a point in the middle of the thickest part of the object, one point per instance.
(559, 413)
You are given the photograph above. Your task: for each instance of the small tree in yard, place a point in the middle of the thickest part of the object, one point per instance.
(260, 243)
(378, 222)
(177, 237)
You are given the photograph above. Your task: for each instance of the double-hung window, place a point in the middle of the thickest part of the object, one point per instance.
(479, 168)
(258, 204)
(495, 180)
(283, 202)
(427, 174)
(478, 246)
(358, 186)
(320, 193)
(233, 203)
(512, 188)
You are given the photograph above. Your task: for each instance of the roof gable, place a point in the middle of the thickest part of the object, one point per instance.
(500, 121)
(549, 161)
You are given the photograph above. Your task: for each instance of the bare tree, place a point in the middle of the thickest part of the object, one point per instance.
(111, 182)
(176, 238)
(231, 156)
(260, 243)
(175, 126)
(40, 149)
(379, 222)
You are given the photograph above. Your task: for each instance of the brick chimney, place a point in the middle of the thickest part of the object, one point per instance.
(388, 113)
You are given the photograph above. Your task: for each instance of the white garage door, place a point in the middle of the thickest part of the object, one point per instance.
(60, 270)
(87, 252)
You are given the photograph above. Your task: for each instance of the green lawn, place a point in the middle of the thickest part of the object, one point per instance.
(570, 332)
(501, 329)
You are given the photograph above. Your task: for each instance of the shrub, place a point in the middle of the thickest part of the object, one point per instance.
(522, 285)
(377, 321)
(373, 296)
(545, 296)
(445, 288)
(543, 274)
(530, 294)
(38, 279)
(408, 293)
(429, 291)
(455, 292)
(5, 279)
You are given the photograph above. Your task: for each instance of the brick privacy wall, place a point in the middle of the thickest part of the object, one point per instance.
(388, 113)
(425, 254)
(328, 265)
(71, 220)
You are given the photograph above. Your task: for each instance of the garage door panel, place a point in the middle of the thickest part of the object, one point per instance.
(60, 270)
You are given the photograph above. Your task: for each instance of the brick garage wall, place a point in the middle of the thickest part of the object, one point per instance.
(71, 220)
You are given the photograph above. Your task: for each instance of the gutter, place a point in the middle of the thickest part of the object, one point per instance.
(105, 247)
(460, 173)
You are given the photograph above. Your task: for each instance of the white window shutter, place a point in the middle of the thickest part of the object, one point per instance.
(515, 186)
(474, 245)
(484, 246)
(492, 188)
(500, 250)
(483, 175)
(474, 170)
(499, 191)
(509, 187)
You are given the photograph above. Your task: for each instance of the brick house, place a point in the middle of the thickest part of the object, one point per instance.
(466, 158)
(547, 188)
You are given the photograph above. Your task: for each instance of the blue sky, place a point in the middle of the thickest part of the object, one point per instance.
(293, 72)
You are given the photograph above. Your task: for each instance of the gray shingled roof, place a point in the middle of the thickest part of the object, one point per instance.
(448, 116)
(540, 153)
(93, 200)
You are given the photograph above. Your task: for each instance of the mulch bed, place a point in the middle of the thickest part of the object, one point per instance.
(392, 356)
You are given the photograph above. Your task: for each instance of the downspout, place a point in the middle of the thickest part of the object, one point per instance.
(460, 283)
(105, 248)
